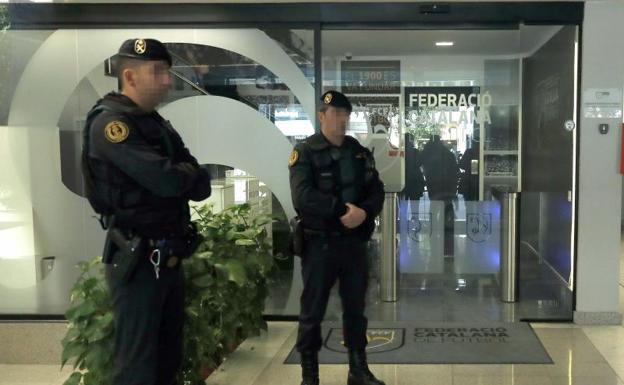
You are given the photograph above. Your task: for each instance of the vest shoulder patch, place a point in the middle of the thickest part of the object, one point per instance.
(294, 157)
(116, 131)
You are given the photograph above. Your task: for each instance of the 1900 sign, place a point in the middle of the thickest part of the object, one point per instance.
(371, 77)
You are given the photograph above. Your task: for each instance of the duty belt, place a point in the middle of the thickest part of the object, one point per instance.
(328, 233)
(166, 256)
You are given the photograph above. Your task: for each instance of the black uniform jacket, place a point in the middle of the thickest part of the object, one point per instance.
(323, 178)
(144, 168)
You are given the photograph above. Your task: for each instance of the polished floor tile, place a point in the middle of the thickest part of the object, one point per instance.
(419, 380)
(502, 380)
(610, 380)
(251, 358)
(581, 357)
(576, 360)
(33, 374)
(501, 370)
(582, 370)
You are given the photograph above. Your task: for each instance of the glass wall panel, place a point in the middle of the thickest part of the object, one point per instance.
(240, 99)
(447, 123)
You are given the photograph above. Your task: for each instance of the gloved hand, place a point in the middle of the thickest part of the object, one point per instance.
(201, 188)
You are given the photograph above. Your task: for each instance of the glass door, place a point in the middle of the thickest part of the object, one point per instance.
(466, 112)
(549, 176)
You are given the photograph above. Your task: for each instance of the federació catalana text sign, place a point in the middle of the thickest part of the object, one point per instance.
(447, 105)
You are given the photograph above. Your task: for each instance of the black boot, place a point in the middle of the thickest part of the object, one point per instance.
(309, 368)
(359, 374)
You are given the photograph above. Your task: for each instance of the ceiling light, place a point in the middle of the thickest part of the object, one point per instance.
(444, 43)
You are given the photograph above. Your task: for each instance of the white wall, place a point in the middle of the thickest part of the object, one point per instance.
(600, 185)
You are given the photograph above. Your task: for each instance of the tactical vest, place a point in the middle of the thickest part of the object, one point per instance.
(342, 172)
(112, 195)
(100, 199)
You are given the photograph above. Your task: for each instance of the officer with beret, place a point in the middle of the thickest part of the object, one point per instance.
(140, 176)
(337, 193)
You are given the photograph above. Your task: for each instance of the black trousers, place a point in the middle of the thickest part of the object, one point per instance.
(324, 261)
(149, 315)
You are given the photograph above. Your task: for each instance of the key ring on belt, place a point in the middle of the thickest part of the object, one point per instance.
(155, 263)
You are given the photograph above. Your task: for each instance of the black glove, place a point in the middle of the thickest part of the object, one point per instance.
(201, 189)
(185, 246)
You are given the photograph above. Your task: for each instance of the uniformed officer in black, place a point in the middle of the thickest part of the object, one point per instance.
(337, 193)
(140, 175)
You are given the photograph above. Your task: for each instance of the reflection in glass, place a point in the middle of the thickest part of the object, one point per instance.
(198, 70)
(459, 108)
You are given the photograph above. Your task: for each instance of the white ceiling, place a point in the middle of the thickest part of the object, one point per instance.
(518, 42)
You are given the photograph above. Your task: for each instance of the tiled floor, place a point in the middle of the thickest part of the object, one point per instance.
(33, 374)
(582, 356)
(575, 351)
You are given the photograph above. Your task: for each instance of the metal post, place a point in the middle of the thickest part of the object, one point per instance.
(388, 279)
(509, 244)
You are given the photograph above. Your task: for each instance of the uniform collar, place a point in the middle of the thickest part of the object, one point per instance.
(120, 102)
(318, 142)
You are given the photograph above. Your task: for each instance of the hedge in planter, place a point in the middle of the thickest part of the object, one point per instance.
(226, 287)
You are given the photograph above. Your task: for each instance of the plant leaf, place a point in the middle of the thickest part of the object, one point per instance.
(82, 310)
(203, 281)
(236, 272)
(72, 349)
(245, 242)
(74, 379)
(204, 255)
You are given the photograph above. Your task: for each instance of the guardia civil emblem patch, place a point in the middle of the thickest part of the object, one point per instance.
(140, 46)
(116, 131)
(294, 156)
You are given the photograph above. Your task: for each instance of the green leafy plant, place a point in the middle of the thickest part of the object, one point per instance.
(90, 336)
(226, 287)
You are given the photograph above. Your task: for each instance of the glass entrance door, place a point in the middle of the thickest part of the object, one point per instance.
(549, 176)
(467, 112)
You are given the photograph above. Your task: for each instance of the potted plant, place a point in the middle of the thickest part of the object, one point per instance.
(226, 286)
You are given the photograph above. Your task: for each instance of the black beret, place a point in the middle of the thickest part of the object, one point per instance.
(336, 99)
(144, 49)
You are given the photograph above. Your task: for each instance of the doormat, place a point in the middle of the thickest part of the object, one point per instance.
(437, 343)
